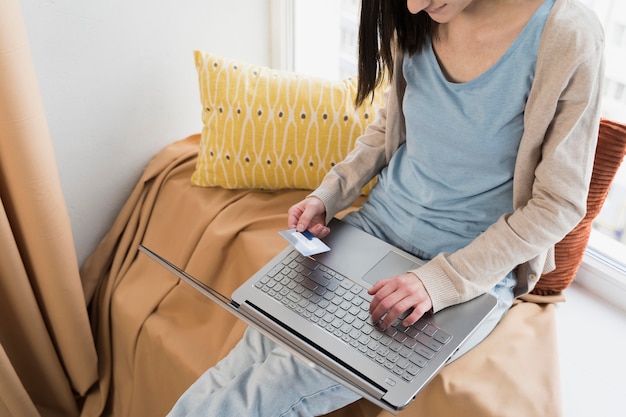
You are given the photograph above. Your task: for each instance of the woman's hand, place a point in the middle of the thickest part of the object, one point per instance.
(309, 214)
(394, 296)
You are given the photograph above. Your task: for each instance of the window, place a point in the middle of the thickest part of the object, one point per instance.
(325, 36)
(325, 44)
(604, 267)
(617, 34)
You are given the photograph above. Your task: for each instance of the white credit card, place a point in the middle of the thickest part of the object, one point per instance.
(304, 242)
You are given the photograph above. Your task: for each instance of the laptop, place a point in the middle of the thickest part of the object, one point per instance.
(317, 307)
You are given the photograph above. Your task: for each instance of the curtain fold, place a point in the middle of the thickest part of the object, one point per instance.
(47, 353)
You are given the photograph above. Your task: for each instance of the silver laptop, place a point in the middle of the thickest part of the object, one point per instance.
(317, 307)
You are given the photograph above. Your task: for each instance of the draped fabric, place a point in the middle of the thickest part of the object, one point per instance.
(47, 354)
(156, 335)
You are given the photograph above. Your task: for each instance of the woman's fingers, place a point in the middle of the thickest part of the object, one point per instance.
(308, 214)
(320, 230)
(293, 215)
(393, 297)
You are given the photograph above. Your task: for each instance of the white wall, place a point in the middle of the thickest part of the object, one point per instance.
(118, 83)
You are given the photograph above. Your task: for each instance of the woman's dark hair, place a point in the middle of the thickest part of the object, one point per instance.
(385, 25)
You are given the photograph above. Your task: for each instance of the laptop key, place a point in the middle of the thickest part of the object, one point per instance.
(442, 337)
(319, 278)
(424, 351)
(413, 369)
(418, 360)
(410, 343)
(274, 271)
(424, 339)
(310, 263)
(430, 330)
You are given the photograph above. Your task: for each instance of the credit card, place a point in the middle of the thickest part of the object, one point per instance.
(304, 242)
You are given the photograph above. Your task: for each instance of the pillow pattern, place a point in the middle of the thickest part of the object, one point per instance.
(569, 252)
(269, 129)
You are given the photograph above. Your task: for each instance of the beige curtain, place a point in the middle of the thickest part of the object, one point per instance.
(47, 354)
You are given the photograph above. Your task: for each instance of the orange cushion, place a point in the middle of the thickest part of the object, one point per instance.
(569, 252)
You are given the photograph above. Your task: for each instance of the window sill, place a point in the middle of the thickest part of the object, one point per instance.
(600, 379)
(604, 278)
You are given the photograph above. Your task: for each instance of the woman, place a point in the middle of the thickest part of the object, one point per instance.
(483, 155)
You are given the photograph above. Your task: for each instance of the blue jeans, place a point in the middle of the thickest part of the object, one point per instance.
(259, 378)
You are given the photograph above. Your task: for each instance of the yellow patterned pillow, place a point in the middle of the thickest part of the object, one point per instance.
(270, 129)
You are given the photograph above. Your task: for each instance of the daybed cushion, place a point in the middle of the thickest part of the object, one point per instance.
(270, 129)
(156, 335)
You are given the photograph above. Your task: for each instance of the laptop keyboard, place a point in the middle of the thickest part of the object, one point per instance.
(341, 307)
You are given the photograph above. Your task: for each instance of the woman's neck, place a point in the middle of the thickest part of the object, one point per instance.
(474, 40)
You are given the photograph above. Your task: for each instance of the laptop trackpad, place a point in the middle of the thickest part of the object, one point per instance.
(391, 265)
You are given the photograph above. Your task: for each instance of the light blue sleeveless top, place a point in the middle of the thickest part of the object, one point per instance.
(453, 177)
